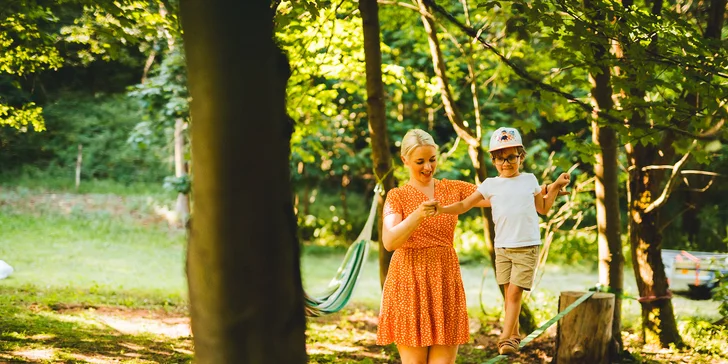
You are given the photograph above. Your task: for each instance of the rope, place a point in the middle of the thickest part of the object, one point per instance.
(380, 181)
(619, 293)
(545, 326)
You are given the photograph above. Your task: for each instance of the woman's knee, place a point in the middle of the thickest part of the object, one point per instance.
(412, 355)
(442, 354)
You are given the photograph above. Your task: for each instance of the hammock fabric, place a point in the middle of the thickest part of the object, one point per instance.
(341, 287)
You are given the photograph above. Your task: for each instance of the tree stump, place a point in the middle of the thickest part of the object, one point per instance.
(583, 335)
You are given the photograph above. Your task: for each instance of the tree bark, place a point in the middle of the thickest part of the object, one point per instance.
(611, 261)
(716, 17)
(609, 225)
(658, 318)
(381, 156)
(246, 296)
(584, 335)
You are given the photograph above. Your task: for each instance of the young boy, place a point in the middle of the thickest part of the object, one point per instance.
(516, 200)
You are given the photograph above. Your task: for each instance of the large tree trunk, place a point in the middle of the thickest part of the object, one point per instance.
(474, 142)
(611, 261)
(246, 296)
(381, 157)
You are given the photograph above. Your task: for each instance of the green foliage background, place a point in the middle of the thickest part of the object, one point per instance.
(110, 76)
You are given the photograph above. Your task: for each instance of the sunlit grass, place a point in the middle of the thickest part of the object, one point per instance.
(56, 252)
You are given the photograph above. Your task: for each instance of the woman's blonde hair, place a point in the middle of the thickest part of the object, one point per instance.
(416, 138)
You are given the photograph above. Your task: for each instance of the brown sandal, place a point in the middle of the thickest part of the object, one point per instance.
(508, 346)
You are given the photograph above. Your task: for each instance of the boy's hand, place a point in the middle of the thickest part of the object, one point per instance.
(545, 190)
(563, 180)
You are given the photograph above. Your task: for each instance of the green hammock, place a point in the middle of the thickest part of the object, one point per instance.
(342, 285)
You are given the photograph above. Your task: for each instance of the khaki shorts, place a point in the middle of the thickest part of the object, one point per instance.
(516, 266)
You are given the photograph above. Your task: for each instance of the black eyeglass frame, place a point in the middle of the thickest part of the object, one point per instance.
(511, 159)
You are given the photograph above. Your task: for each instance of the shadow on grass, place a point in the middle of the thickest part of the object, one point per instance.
(32, 332)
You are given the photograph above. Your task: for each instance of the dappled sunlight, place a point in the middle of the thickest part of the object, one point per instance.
(326, 348)
(93, 359)
(131, 346)
(42, 337)
(70, 318)
(645, 269)
(171, 327)
(35, 354)
(183, 351)
(348, 335)
(98, 335)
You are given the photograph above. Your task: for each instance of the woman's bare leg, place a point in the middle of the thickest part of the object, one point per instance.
(413, 354)
(442, 354)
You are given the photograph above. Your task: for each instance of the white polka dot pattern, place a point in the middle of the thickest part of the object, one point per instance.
(423, 300)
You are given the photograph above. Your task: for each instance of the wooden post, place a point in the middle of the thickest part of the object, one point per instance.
(78, 166)
(583, 335)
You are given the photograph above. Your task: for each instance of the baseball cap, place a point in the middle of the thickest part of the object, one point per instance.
(505, 138)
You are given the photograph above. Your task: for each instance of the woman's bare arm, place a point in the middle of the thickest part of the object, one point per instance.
(396, 231)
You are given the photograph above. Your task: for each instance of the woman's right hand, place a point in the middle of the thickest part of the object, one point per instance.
(427, 209)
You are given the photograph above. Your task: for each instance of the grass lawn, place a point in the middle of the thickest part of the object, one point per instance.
(99, 278)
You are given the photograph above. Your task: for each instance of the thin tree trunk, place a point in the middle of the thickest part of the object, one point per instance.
(716, 17)
(183, 202)
(611, 261)
(243, 268)
(381, 157)
(79, 160)
(148, 64)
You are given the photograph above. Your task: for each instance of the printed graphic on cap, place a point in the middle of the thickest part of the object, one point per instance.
(506, 136)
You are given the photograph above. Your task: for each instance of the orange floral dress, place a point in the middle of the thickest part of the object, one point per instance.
(423, 300)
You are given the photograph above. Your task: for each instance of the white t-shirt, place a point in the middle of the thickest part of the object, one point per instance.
(514, 209)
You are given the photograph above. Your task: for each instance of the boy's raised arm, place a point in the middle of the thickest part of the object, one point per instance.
(544, 203)
(457, 208)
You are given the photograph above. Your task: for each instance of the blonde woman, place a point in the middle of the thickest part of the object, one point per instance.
(423, 307)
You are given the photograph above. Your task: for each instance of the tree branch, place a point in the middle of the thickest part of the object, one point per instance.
(670, 185)
(550, 88)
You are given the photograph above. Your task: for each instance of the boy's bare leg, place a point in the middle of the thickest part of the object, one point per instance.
(514, 331)
(513, 296)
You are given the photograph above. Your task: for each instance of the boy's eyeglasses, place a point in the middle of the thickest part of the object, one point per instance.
(512, 159)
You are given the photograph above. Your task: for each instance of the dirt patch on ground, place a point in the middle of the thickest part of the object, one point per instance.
(134, 321)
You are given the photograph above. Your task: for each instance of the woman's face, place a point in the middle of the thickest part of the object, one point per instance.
(422, 162)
